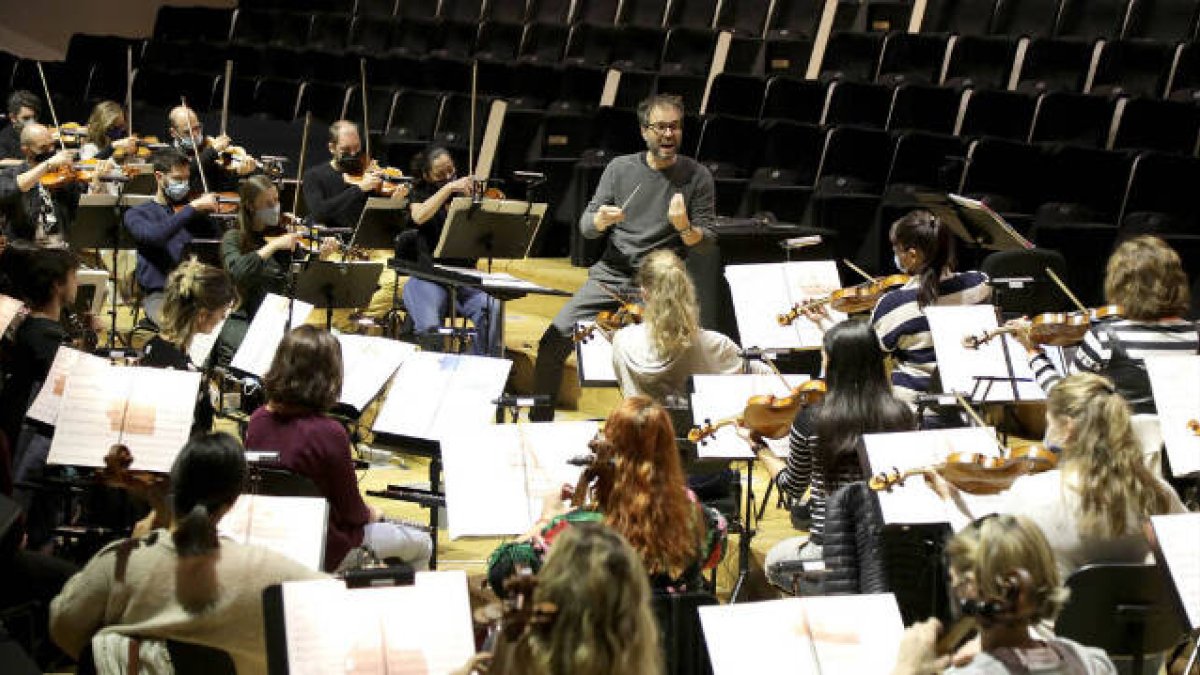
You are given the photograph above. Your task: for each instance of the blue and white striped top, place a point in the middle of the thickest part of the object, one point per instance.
(903, 330)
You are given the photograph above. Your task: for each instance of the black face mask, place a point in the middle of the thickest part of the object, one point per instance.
(349, 163)
(42, 156)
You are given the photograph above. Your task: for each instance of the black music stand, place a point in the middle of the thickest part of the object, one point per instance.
(207, 251)
(491, 228)
(974, 222)
(345, 285)
(381, 220)
(97, 225)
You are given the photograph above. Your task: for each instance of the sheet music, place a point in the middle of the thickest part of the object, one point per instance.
(914, 502)
(46, 404)
(92, 285)
(719, 397)
(494, 279)
(9, 308)
(290, 526)
(594, 359)
(1179, 544)
(266, 332)
(202, 345)
(433, 394)
(764, 291)
(515, 465)
(958, 365)
(826, 635)
(158, 415)
(367, 363)
(1175, 381)
(420, 629)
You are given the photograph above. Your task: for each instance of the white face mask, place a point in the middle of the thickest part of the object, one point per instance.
(896, 260)
(268, 217)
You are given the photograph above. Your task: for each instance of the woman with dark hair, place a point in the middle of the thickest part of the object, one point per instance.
(180, 583)
(428, 303)
(924, 248)
(303, 383)
(826, 438)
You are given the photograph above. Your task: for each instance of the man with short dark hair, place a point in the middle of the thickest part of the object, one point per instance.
(645, 201)
(22, 108)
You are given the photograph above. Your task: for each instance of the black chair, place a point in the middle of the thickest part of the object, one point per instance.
(498, 41)
(996, 173)
(924, 108)
(1025, 297)
(596, 12)
(728, 148)
(1166, 126)
(370, 35)
(635, 86)
(852, 57)
(644, 13)
(615, 131)
(1074, 119)
(998, 114)
(690, 88)
(544, 43)
(745, 17)
(414, 116)
(1091, 19)
(329, 32)
(1155, 204)
(960, 17)
(453, 128)
(417, 9)
(1025, 18)
(1185, 85)
(1168, 20)
(795, 17)
(858, 103)
(376, 7)
(590, 45)
(847, 193)
(924, 162)
(1138, 606)
(680, 632)
(734, 95)
(1133, 68)
(512, 12)
(380, 101)
(786, 55)
(637, 48)
(909, 58)
(982, 62)
(786, 169)
(792, 99)
(193, 24)
(464, 11)
(688, 50)
(550, 11)
(1055, 65)
(745, 56)
(693, 13)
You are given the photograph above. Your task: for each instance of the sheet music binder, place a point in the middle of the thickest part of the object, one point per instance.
(493, 228)
(1171, 566)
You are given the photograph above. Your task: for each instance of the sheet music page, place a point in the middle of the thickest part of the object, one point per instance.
(319, 624)
(202, 345)
(1175, 381)
(959, 365)
(515, 465)
(46, 404)
(290, 526)
(494, 279)
(720, 397)
(433, 394)
(91, 414)
(9, 308)
(1180, 546)
(820, 635)
(159, 415)
(266, 332)
(914, 502)
(764, 291)
(367, 364)
(594, 359)
(445, 629)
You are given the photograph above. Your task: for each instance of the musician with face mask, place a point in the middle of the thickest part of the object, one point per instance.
(22, 109)
(162, 228)
(187, 133)
(32, 211)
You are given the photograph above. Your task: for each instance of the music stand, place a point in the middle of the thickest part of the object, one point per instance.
(973, 221)
(492, 228)
(328, 284)
(207, 251)
(381, 220)
(97, 225)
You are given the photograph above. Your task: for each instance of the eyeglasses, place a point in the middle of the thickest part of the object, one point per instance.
(661, 128)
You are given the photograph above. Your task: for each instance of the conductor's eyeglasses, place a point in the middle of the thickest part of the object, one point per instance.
(661, 128)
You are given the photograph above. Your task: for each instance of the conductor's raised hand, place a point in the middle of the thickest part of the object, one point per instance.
(677, 213)
(607, 216)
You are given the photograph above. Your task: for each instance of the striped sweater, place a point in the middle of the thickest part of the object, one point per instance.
(805, 470)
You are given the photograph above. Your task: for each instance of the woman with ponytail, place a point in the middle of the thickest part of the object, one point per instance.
(924, 248)
(656, 357)
(181, 583)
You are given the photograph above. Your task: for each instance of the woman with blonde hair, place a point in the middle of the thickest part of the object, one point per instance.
(656, 357)
(107, 133)
(640, 492)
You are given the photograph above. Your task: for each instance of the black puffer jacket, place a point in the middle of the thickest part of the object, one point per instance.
(853, 542)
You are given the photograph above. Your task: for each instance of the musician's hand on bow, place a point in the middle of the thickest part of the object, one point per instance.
(221, 143)
(1021, 330)
(607, 216)
(60, 159)
(127, 145)
(246, 165)
(286, 242)
(462, 185)
(401, 192)
(677, 213)
(369, 182)
(329, 246)
(205, 203)
(818, 315)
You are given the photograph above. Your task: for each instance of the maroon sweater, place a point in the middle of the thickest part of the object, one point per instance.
(318, 448)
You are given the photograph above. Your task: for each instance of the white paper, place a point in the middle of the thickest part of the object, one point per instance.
(494, 279)
(818, 635)
(1175, 381)
(594, 359)
(97, 280)
(9, 308)
(420, 629)
(46, 404)
(723, 397)
(764, 291)
(1178, 538)
(290, 526)
(515, 466)
(432, 394)
(367, 363)
(914, 502)
(202, 345)
(265, 333)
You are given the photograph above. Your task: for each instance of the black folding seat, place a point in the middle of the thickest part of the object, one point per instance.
(422, 10)
(787, 169)
(647, 13)
(959, 17)
(598, 12)
(329, 32)
(924, 108)
(735, 95)
(746, 56)
(634, 87)
(1166, 126)
(395, 70)
(253, 27)
(690, 88)
(544, 43)
(911, 58)
(924, 162)
(505, 11)
(466, 11)
(531, 85)
(1185, 84)
(1156, 204)
(164, 88)
(883, 16)
(518, 147)
(581, 86)
(498, 41)
(858, 103)
(1091, 19)
(688, 50)
(983, 62)
(242, 92)
(1167, 20)
(636, 48)
(456, 39)
(277, 98)
(590, 45)
(1133, 68)
(370, 35)
(290, 30)
(67, 84)
(795, 17)
(565, 135)
(851, 57)
(787, 56)
(1025, 18)
(847, 193)
(445, 74)
(1072, 119)
(1055, 65)
(325, 100)
(101, 50)
(997, 172)
(998, 114)
(375, 8)
(692, 13)
(414, 37)
(414, 117)
(728, 147)
(453, 128)
(745, 17)
(380, 101)
(615, 131)
(792, 99)
(550, 11)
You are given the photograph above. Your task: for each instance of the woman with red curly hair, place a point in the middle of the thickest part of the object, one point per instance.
(639, 491)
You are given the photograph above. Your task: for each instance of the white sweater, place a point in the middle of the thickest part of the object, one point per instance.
(642, 371)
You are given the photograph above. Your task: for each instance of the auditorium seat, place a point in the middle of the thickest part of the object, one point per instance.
(544, 43)
(1167, 126)
(1133, 68)
(375, 8)
(511, 12)
(688, 50)
(633, 88)
(729, 148)
(1185, 84)
(924, 162)
(637, 48)
(997, 172)
(1167, 20)
(1072, 119)
(380, 101)
(644, 13)
(413, 37)
(414, 116)
(1025, 18)
(794, 17)
(193, 24)
(556, 12)
(329, 32)
(858, 103)
(846, 196)
(565, 135)
(793, 99)
(852, 57)
(734, 95)
(325, 100)
(911, 58)
(787, 56)
(744, 17)
(252, 27)
(242, 92)
(692, 13)
(596, 12)
(164, 88)
(463, 11)
(745, 56)
(498, 41)
(982, 62)
(1091, 19)
(690, 88)
(370, 35)
(453, 128)
(278, 98)
(1156, 204)
(922, 107)
(1055, 65)
(615, 131)
(424, 10)
(590, 45)
(958, 17)
(786, 169)
(456, 39)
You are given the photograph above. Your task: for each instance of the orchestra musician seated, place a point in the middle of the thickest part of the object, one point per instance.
(108, 134)
(180, 582)
(590, 614)
(38, 198)
(1002, 573)
(161, 229)
(825, 441)
(22, 108)
(639, 490)
(302, 385)
(186, 133)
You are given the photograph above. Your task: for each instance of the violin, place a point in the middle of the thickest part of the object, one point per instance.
(69, 133)
(391, 177)
(516, 614)
(850, 300)
(146, 145)
(769, 416)
(1054, 329)
(627, 314)
(975, 473)
(1194, 427)
(79, 328)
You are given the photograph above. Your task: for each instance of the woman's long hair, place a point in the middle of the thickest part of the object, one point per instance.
(647, 502)
(104, 114)
(206, 480)
(249, 191)
(193, 287)
(603, 623)
(671, 315)
(306, 373)
(925, 232)
(860, 399)
(1104, 456)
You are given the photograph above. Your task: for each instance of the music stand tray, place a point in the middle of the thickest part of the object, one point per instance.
(493, 228)
(382, 220)
(97, 222)
(974, 222)
(344, 285)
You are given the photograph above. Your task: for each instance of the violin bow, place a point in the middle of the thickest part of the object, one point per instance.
(471, 130)
(858, 269)
(362, 71)
(50, 105)
(225, 95)
(300, 164)
(129, 90)
(1070, 296)
(977, 419)
(195, 143)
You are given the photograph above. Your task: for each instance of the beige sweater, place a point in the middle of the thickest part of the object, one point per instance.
(129, 588)
(642, 371)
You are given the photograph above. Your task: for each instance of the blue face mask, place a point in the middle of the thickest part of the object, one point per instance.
(185, 144)
(176, 191)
